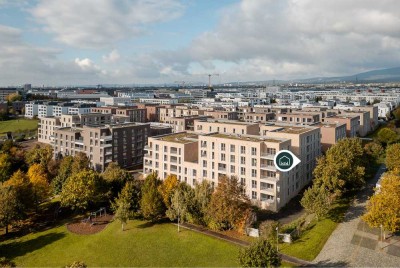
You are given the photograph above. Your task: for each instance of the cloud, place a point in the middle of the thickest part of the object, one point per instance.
(101, 23)
(266, 39)
(114, 56)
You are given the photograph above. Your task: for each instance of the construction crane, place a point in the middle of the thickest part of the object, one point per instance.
(209, 79)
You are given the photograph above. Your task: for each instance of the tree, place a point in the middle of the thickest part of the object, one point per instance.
(393, 157)
(81, 189)
(39, 155)
(228, 205)
(5, 167)
(383, 208)
(374, 149)
(259, 254)
(52, 168)
(80, 163)
(396, 113)
(167, 188)
(115, 177)
(387, 136)
(64, 171)
(14, 97)
(40, 186)
(8, 206)
(181, 203)
(317, 200)
(202, 197)
(342, 168)
(21, 184)
(122, 205)
(151, 203)
(268, 229)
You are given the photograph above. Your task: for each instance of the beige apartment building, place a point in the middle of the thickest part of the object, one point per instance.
(298, 118)
(258, 117)
(227, 115)
(352, 123)
(46, 129)
(183, 123)
(132, 114)
(331, 134)
(152, 111)
(226, 126)
(177, 111)
(122, 143)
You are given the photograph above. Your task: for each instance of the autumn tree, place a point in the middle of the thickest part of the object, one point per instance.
(228, 205)
(14, 97)
(202, 197)
(342, 168)
(374, 150)
(393, 157)
(181, 203)
(5, 167)
(115, 177)
(151, 203)
(122, 205)
(23, 188)
(80, 163)
(81, 189)
(39, 155)
(259, 254)
(40, 185)
(8, 206)
(317, 200)
(387, 136)
(64, 171)
(167, 188)
(383, 208)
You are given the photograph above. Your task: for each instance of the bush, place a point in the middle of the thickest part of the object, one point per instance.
(259, 254)
(6, 263)
(76, 264)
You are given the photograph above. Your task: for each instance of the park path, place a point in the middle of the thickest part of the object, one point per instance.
(353, 243)
(239, 242)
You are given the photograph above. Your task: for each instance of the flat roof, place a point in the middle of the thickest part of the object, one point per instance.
(182, 137)
(330, 125)
(246, 138)
(230, 122)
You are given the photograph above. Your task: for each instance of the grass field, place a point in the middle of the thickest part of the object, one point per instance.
(18, 124)
(142, 244)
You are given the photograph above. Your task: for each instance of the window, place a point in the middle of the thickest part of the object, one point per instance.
(254, 184)
(242, 149)
(253, 151)
(253, 195)
(254, 173)
(232, 169)
(232, 159)
(204, 163)
(204, 173)
(243, 160)
(222, 146)
(194, 172)
(254, 162)
(243, 181)
(222, 157)
(232, 148)
(242, 171)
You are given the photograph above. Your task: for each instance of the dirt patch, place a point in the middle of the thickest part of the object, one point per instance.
(85, 227)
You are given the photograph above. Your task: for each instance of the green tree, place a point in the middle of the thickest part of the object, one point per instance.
(181, 203)
(317, 200)
(202, 197)
(374, 150)
(342, 168)
(5, 167)
(259, 254)
(387, 136)
(383, 208)
(396, 113)
(122, 205)
(64, 171)
(80, 163)
(228, 204)
(115, 177)
(81, 189)
(393, 157)
(167, 188)
(8, 206)
(151, 203)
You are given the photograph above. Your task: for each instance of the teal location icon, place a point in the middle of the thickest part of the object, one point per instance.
(285, 160)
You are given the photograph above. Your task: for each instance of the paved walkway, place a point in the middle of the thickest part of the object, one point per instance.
(354, 244)
(239, 242)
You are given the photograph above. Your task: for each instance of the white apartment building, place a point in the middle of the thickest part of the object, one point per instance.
(158, 101)
(111, 101)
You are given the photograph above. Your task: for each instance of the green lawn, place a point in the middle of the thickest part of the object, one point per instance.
(18, 124)
(140, 245)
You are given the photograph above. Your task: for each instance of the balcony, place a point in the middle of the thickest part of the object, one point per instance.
(105, 138)
(146, 148)
(108, 160)
(147, 163)
(267, 156)
(79, 142)
(268, 167)
(222, 169)
(106, 145)
(264, 177)
(174, 151)
(108, 152)
(174, 160)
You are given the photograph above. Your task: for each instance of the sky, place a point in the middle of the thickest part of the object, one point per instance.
(90, 42)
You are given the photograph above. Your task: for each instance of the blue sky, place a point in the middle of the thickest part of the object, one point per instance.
(58, 42)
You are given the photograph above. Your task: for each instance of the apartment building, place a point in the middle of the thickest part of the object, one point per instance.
(104, 110)
(177, 111)
(111, 101)
(352, 123)
(46, 128)
(158, 101)
(132, 114)
(226, 126)
(183, 123)
(259, 117)
(152, 111)
(227, 115)
(298, 118)
(373, 114)
(122, 143)
(32, 109)
(331, 134)
(364, 123)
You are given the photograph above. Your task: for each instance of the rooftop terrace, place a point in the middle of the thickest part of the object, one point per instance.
(180, 138)
(246, 138)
